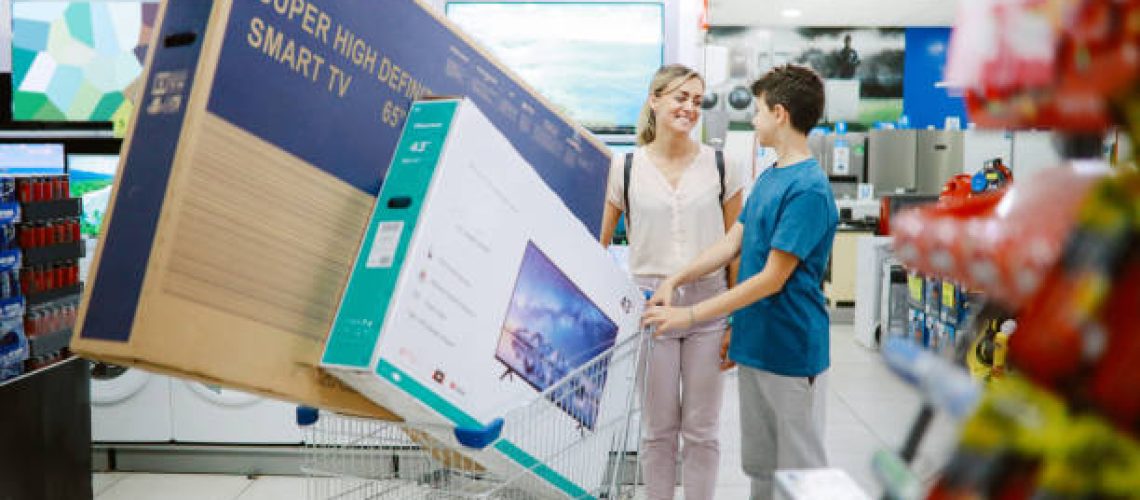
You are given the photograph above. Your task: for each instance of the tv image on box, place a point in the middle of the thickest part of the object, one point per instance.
(552, 328)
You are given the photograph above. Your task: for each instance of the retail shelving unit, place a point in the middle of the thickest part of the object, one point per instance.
(45, 439)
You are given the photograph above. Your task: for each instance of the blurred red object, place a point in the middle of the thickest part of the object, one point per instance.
(1002, 243)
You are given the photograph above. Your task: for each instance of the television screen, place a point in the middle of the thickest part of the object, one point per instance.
(31, 158)
(552, 328)
(91, 179)
(592, 60)
(71, 61)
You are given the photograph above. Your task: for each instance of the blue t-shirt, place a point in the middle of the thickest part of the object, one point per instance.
(791, 209)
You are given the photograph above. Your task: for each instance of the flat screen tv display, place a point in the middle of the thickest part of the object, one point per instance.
(592, 60)
(551, 328)
(45, 158)
(91, 179)
(71, 61)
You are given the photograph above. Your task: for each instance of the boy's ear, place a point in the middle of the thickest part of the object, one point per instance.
(781, 113)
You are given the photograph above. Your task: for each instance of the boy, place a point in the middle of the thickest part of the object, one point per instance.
(779, 318)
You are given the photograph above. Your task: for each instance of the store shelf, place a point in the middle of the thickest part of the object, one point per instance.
(62, 251)
(35, 299)
(49, 343)
(40, 211)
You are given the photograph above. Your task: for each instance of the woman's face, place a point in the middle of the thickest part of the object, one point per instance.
(678, 110)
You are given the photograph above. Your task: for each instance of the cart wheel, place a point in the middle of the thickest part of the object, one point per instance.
(479, 438)
(307, 415)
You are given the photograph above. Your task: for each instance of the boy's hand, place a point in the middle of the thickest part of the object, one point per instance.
(725, 363)
(664, 294)
(666, 319)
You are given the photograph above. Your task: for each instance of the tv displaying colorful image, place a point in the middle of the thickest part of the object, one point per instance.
(91, 179)
(31, 158)
(552, 328)
(71, 61)
(592, 60)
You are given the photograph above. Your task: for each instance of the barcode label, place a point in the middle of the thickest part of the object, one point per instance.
(384, 244)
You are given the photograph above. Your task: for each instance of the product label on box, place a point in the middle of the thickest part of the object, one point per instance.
(115, 294)
(384, 245)
(332, 82)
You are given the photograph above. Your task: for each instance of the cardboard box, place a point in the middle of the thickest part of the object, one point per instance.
(474, 291)
(248, 174)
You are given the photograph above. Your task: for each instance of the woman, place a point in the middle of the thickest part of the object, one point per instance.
(679, 204)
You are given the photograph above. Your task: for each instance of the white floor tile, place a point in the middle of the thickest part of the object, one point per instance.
(101, 481)
(176, 487)
(276, 488)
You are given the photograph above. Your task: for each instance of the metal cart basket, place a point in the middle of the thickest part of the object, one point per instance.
(356, 458)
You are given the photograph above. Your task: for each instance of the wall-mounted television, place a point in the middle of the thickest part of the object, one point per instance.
(593, 60)
(91, 179)
(32, 158)
(552, 328)
(71, 60)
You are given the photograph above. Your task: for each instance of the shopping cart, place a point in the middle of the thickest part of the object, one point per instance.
(356, 458)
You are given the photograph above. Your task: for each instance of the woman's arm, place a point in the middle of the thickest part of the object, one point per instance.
(610, 215)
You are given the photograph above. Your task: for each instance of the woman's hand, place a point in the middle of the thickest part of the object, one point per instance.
(665, 319)
(663, 296)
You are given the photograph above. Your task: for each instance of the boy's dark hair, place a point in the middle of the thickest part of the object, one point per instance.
(798, 89)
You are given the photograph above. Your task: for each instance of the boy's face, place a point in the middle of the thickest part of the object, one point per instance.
(766, 121)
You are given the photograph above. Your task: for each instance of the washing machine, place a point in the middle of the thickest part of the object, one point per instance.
(205, 413)
(129, 405)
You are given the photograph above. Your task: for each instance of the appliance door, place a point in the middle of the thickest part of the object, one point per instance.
(820, 146)
(113, 384)
(129, 405)
(939, 158)
(891, 160)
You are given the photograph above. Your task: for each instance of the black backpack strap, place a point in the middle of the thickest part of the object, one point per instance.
(720, 170)
(625, 187)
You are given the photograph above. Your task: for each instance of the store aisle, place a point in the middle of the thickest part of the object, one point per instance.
(868, 409)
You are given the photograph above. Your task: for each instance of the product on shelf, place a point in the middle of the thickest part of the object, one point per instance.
(1002, 243)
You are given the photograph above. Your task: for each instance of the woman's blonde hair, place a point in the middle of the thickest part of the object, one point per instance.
(667, 79)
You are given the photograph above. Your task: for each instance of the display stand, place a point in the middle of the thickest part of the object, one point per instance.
(45, 433)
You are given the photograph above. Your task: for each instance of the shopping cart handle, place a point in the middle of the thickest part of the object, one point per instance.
(307, 415)
(479, 438)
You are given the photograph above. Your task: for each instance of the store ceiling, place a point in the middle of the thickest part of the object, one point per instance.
(832, 12)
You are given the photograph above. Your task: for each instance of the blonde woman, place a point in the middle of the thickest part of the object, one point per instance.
(678, 199)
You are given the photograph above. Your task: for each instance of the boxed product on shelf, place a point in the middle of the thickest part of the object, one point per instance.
(13, 347)
(932, 292)
(916, 285)
(249, 172)
(474, 290)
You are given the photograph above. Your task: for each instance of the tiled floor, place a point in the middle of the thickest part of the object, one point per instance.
(868, 409)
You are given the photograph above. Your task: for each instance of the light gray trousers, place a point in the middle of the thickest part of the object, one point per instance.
(684, 392)
(781, 425)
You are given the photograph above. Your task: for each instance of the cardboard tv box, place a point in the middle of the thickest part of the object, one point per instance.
(250, 169)
(474, 290)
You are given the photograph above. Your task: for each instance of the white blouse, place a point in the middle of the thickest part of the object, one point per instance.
(671, 227)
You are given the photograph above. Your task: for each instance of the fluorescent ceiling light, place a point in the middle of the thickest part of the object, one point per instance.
(791, 13)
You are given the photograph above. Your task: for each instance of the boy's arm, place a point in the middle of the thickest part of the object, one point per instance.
(767, 282)
(712, 258)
